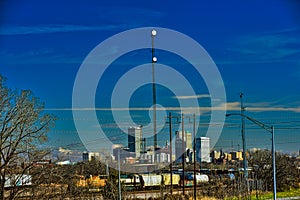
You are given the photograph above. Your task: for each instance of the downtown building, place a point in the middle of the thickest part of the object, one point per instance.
(203, 149)
(135, 141)
(178, 147)
(184, 145)
(89, 156)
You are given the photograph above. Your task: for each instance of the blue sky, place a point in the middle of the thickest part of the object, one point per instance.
(255, 45)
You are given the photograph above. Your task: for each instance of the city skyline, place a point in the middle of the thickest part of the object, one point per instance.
(254, 44)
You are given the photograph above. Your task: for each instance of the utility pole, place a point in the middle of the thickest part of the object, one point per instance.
(183, 145)
(154, 60)
(119, 176)
(170, 117)
(273, 162)
(194, 153)
(271, 130)
(244, 144)
(243, 138)
(183, 153)
(171, 161)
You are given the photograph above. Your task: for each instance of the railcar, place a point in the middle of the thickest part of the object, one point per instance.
(151, 180)
(131, 181)
(166, 178)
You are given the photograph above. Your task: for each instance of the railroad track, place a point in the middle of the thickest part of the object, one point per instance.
(165, 190)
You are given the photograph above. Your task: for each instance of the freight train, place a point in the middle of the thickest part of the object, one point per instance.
(152, 181)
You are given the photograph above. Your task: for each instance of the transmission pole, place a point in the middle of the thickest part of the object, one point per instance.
(244, 144)
(119, 176)
(183, 153)
(243, 137)
(154, 59)
(171, 161)
(194, 153)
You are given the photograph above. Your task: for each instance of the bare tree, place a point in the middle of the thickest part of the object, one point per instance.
(286, 169)
(23, 127)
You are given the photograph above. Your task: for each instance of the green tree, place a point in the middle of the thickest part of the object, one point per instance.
(23, 127)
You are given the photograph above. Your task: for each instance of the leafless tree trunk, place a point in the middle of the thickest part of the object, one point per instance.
(23, 126)
(286, 169)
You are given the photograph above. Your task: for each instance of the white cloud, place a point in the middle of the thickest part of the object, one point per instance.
(199, 96)
(229, 106)
(25, 30)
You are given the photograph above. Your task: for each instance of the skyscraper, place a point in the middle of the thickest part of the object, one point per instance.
(135, 140)
(203, 149)
(188, 139)
(178, 147)
(189, 146)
